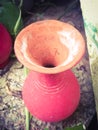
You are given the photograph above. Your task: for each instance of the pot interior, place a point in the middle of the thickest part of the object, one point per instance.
(46, 50)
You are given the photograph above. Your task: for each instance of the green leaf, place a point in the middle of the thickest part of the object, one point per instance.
(78, 127)
(46, 129)
(10, 16)
(17, 26)
(28, 118)
(3, 1)
(26, 71)
(27, 113)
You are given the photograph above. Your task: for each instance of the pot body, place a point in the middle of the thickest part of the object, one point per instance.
(51, 97)
(5, 46)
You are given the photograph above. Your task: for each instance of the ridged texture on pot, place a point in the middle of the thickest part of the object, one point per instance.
(51, 97)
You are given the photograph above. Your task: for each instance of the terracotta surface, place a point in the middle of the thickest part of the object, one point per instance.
(50, 46)
(51, 98)
(49, 43)
(5, 46)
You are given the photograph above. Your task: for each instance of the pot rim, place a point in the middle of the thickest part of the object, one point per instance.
(59, 68)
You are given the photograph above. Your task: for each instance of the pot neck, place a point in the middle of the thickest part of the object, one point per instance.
(49, 83)
(51, 79)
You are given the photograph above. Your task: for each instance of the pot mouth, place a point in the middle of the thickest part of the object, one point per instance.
(48, 65)
(49, 46)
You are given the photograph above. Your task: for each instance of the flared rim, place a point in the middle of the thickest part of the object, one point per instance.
(68, 36)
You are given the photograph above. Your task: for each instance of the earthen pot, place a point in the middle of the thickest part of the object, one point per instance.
(5, 46)
(50, 48)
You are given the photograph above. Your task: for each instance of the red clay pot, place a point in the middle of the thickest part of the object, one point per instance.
(5, 46)
(50, 48)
